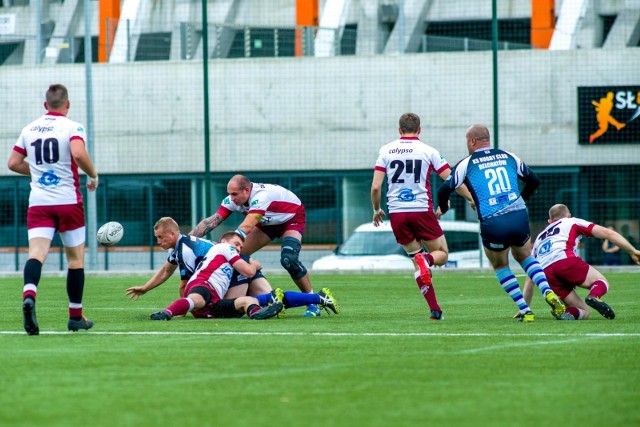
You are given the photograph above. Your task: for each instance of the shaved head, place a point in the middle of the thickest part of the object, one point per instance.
(559, 211)
(478, 132)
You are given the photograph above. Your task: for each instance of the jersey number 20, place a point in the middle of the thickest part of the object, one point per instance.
(498, 180)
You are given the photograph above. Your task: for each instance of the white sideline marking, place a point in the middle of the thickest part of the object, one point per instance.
(339, 334)
(523, 344)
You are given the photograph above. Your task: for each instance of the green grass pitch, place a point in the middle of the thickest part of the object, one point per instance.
(381, 362)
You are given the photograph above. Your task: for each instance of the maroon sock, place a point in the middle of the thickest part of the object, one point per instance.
(429, 294)
(179, 307)
(429, 259)
(574, 311)
(598, 289)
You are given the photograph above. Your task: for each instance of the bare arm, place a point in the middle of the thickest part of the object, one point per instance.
(206, 225)
(18, 164)
(376, 194)
(249, 222)
(244, 268)
(81, 156)
(161, 276)
(618, 240)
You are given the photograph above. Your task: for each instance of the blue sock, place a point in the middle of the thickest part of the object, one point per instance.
(298, 299)
(535, 272)
(510, 285)
(264, 299)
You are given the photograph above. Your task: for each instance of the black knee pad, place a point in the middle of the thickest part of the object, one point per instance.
(289, 258)
(202, 291)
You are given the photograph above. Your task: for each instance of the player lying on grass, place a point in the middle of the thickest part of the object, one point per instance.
(188, 251)
(211, 279)
(555, 248)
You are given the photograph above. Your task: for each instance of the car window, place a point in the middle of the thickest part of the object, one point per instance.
(370, 243)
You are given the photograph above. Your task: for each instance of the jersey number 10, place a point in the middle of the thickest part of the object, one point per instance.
(47, 150)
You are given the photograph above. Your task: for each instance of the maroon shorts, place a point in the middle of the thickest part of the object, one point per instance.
(296, 223)
(61, 217)
(410, 226)
(565, 275)
(203, 312)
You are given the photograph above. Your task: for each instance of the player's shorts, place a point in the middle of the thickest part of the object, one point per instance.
(410, 226)
(204, 312)
(566, 274)
(238, 279)
(296, 223)
(503, 231)
(68, 220)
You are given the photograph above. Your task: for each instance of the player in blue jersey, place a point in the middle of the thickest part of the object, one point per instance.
(186, 252)
(492, 175)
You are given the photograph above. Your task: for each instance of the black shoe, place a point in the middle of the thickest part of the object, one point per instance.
(267, 312)
(84, 323)
(600, 306)
(29, 314)
(436, 315)
(160, 315)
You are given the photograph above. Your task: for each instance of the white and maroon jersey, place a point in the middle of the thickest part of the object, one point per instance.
(560, 240)
(276, 204)
(408, 163)
(216, 267)
(54, 173)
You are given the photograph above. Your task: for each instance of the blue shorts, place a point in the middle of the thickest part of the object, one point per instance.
(503, 231)
(238, 279)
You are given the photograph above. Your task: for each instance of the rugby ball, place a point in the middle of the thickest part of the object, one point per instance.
(110, 233)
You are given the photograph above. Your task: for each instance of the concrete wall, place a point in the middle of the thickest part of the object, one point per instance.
(326, 113)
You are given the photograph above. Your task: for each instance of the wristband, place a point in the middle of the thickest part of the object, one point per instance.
(94, 180)
(242, 233)
(377, 211)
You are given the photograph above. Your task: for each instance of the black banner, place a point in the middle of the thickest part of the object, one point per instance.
(609, 115)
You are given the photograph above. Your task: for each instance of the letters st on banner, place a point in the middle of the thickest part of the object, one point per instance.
(608, 115)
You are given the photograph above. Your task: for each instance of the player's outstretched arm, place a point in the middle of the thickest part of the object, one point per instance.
(206, 225)
(158, 279)
(618, 240)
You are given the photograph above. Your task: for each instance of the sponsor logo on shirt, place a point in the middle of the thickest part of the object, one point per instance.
(41, 129)
(544, 248)
(48, 179)
(406, 195)
(401, 150)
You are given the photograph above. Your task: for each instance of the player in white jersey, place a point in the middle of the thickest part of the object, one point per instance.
(210, 281)
(270, 212)
(555, 248)
(50, 150)
(407, 164)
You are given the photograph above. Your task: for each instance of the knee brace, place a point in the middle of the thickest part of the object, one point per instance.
(289, 258)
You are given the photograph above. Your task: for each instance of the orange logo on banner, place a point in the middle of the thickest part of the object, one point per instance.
(604, 117)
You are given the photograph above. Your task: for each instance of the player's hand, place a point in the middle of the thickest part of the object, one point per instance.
(472, 205)
(92, 183)
(438, 213)
(135, 292)
(377, 217)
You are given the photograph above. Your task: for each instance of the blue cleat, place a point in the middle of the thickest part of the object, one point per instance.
(312, 311)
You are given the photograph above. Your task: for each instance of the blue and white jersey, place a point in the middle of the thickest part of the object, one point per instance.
(491, 175)
(188, 254)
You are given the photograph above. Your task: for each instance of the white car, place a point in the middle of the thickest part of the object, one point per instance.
(375, 248)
